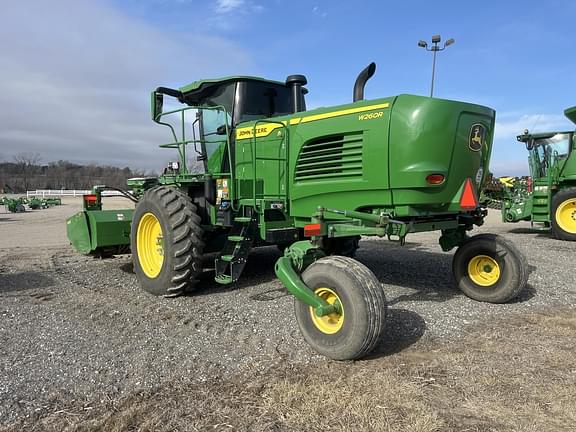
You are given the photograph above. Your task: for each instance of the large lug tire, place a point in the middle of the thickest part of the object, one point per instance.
(490, 269)
(563, 216)
(166, 242)
(357, 330)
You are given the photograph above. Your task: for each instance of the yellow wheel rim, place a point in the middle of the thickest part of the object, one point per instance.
(331, 323)
(566, 215)
(150, 245)
(483, 270)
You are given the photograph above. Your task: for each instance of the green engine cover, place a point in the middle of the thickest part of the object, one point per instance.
(369, 155)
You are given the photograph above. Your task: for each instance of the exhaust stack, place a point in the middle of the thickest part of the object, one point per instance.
(295, 82)
(363, 76)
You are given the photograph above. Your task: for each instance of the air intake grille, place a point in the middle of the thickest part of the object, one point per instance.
(329, 157)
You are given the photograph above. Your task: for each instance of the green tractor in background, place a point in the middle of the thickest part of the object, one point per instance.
(550, 198)
(14, 205)
(257, 168)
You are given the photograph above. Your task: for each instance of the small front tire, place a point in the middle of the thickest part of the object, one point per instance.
(488, 268)
(357, 329)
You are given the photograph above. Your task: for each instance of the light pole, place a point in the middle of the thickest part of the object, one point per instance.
(435, 48)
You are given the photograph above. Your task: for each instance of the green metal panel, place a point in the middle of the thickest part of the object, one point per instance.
(78, 232)
(89, 230)
(109, 227)
(338, 157)
(432, 136)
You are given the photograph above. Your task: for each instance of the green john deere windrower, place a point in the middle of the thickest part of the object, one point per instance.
(312, 182)
(550, 198)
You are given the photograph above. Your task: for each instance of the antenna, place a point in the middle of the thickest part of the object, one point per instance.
(535, 123)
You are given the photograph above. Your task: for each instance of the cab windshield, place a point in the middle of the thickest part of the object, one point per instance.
(547, 150)
(558, 144)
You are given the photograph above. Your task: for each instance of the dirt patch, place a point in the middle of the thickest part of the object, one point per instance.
(514, 375)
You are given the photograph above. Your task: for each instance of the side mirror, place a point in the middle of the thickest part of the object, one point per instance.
(157, 103)
(221, 130)
(529, 144)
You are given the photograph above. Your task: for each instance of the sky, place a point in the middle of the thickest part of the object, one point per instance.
(76, 75)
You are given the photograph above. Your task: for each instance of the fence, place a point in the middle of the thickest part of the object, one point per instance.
(66, 192)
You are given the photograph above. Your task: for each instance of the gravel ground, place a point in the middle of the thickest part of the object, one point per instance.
(78, 328)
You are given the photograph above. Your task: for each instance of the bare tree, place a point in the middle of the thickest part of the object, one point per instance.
(27, 163)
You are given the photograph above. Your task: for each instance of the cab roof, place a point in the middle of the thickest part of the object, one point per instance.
(201, 85)
(571, 113)
(540, 135)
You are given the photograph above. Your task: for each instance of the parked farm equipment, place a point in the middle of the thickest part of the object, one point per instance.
(311, 182)
(14, 205)
(550, 199)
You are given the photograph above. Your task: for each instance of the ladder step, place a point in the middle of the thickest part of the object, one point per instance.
(227, 258)
(223, 279)
(236, 238)
(242, 219)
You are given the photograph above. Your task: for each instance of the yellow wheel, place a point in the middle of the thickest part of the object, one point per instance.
(490, 269)
(150, 245)
(166, 242)
(564, 217)
(484, 270)
(358, 326)
(332, 323)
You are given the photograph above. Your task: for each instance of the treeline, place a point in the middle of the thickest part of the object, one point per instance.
(20, 176)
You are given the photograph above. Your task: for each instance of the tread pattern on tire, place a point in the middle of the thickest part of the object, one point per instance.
(374, 298)
(502, 243)
(186, 234)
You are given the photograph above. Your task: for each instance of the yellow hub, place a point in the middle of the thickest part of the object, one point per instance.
(483, 270)
(150, 245)
(566, 216)
(331, 323)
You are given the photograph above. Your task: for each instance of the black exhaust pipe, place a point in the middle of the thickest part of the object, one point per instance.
(295, 82)
(363, 76)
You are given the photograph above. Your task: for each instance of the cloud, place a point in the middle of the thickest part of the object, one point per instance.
(75, 79)
(513, 124)
(225, 6)
(318, 12)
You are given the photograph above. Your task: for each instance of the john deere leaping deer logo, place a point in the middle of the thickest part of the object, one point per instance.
(477, 135)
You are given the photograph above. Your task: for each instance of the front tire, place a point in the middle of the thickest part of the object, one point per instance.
(360, 325)
(564, 215)
(488, 268)
(166, 242)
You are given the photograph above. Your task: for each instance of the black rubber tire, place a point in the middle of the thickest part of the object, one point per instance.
(343, 246)
(364, 305)
(512, 263)
(182, 237)
(557, 200)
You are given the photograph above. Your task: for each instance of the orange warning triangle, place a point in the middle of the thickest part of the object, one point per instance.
(468, 200)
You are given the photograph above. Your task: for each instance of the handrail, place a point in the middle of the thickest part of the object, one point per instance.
(285, 139)
(181, 144)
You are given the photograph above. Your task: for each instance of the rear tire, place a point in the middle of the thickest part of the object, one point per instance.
(166, 242)
(563, 216)
(488, 268)
(357, 330)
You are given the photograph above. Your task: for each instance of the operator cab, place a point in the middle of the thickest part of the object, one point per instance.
(545, 148)
(222, 104)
